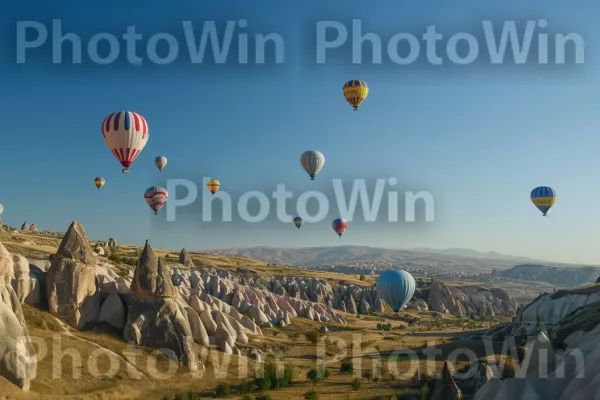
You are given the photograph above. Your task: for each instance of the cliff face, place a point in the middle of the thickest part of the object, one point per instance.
(469, 300)
(562, 356)
(554, 275)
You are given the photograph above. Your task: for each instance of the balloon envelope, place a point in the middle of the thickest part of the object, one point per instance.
(125, 133)
(396, 288)
(160, 162)
(355, 92)
(1, 208)
(339, 226)
(312, 161)
(156, 197)
(543, 197)
(99, 182)
(213, 186)
(298, 222)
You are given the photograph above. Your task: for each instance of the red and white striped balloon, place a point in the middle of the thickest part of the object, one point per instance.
(125, 133)
(156, 197)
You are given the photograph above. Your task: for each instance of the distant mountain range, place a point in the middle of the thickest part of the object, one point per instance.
(475, 254)
(339, 255)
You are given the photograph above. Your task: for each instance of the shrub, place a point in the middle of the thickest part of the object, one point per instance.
(311, 395)
(115, 258)
(312, 336)
(313, 376)
(347, 366)
(246, 397)
(356, 384)
(362, 277)
(425, 392)
(288, 374)
(293, 336)
(263, 397)
(368, 375)
(263, 383)
(223, 390)
(508, 370)
(247, 387)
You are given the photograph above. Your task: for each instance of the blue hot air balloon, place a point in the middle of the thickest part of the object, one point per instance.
(396, 288)
(543, 197)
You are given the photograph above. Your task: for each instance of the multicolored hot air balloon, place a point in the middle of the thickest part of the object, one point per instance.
(543, 197)
(396, 288)
(160, 162)
(213, 186)
(125, 133)
(156, 197)
(340, 226)
(312, 161)
(355, 92)
(99, 182)
(298, 222)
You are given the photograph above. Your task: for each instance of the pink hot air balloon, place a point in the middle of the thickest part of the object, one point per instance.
(340, 226)
(156, 197)
(125, 133)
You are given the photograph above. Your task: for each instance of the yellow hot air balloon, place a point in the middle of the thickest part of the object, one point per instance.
(213, 186)
(355, 92)
(99, 182)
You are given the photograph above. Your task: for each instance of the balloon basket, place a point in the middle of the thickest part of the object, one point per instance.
(125, 170)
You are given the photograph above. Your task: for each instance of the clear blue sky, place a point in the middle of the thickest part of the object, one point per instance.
(478, 137)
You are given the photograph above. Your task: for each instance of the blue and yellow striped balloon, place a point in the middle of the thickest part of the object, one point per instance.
(543, 197)
(312, 161)
(99, 182)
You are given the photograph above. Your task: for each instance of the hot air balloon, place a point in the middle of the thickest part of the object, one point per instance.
(160, 162)
(298, 222)
(312, 161)
(213, 186)
(340, 226)
(355, 92)
(1, 208)
(125, 133)
(543, 197)
(156, 197)
(396, 288)
(99, 182)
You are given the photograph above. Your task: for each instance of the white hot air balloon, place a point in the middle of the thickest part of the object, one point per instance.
(312, 161)
(125, 133)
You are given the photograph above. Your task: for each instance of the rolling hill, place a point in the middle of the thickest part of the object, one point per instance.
(339, 255)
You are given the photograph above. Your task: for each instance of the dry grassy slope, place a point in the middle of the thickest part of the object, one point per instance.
(59, 378)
